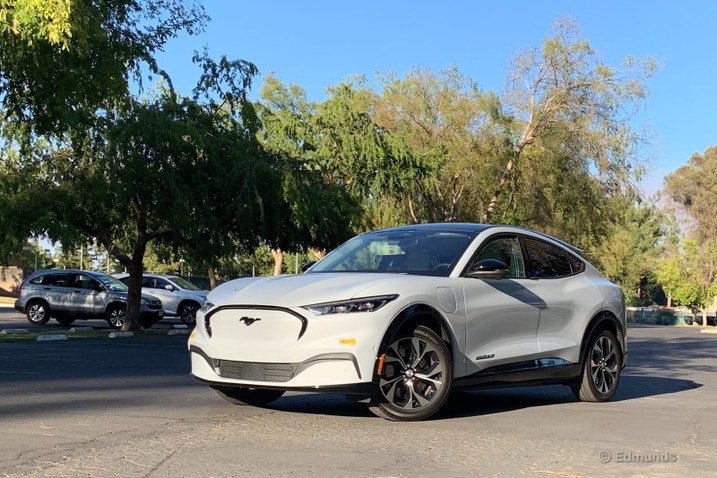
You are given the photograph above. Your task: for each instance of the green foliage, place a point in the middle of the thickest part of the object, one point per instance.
(61, 60)
(686, 275)
(571, 127)
(631, 250)
(693, 188)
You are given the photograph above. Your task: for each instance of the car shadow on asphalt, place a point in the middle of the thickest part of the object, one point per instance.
(464, 403)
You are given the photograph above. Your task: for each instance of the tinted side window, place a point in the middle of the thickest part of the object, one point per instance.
(547, 261)
(62, 280)
(578, 265)
(84, 281)
(506, 250)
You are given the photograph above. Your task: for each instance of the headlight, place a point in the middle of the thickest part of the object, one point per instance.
(206, 306)
(366, 304)
(143, 301)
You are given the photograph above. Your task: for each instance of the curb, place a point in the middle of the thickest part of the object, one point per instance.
(51, 338)
(176, 330)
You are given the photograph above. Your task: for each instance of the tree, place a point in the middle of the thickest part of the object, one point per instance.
(445, 138)
(568, 105)
(693, 188)
(687, 274)
(62, 60)
(315, 204)
(630, 252)
(172, 168)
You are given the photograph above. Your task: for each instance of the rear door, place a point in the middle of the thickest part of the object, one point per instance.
(88, 297)
(56, 289)
(557, 276)
(163, 290)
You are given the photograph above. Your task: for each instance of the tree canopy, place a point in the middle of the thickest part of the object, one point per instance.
(213, 174)
(62, 60)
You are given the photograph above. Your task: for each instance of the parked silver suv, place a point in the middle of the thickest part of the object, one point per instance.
(67, 295)
(179, 297)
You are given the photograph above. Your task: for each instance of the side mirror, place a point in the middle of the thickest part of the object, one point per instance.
(169, 288)
(307, 265)
(488, 269)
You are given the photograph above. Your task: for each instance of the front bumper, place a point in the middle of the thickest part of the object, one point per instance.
(335, 373)
(270, 347)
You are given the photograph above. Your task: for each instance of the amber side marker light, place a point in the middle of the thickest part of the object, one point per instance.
(192, 335)
(347, 341)
(381, 360)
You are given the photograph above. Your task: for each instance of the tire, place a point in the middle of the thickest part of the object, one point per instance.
(64, 320)
(416, 376)
(188, 312)
(116, 316)
(38, 313)
(601, 369)
(256, 397)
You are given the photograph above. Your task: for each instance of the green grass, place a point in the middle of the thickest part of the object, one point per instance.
(79, 335)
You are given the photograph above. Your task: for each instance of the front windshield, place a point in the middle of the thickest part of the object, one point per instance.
(112, 283)
(184, 284)
(409, 251)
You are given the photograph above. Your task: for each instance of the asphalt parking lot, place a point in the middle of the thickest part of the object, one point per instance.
(128, 408)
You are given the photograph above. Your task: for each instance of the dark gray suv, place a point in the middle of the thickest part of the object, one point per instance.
(67, 295)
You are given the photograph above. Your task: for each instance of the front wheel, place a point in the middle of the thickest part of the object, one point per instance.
(601, 369)
(416, 376)
(116, 316)
(249, 396)
(188, 312)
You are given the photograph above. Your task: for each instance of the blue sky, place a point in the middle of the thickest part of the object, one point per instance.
(317, 44)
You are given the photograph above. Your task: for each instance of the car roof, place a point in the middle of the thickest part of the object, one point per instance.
(475, 228)
(440, 226)
(67, 271)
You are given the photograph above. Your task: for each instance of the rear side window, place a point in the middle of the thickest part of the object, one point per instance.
(61, 280)
(547, 260)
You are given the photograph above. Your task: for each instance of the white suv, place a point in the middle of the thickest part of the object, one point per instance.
(179, 297)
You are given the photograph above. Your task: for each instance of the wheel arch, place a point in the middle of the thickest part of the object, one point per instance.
(113, 304)
(36, 300)
(413, 316)
(604, 320)
(185, 301)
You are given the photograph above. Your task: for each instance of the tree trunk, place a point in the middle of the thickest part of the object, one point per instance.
(494, 200)
(278, 260)
(212, 278)
(134, 294)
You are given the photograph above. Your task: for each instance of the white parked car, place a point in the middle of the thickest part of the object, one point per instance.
(399, 317)
(179, 297)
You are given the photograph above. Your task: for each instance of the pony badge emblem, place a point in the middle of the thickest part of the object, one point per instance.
(249, 320)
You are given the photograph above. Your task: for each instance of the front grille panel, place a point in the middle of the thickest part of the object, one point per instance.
(264, 372)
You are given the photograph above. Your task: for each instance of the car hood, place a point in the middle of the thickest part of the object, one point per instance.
(304, 289)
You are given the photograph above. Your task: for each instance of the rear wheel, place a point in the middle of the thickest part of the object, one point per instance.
(116, 316)
(38, 313)
(601, 369)
(249, 396)
(188, 312)
(415, 378)
(64, 320)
